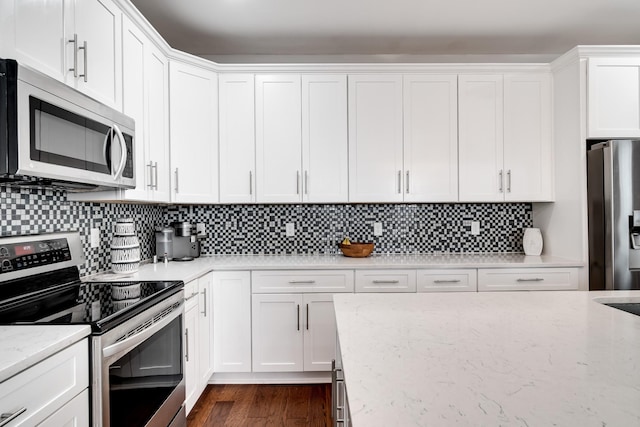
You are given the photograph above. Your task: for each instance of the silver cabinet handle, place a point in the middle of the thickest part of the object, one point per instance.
(306, 182)
(74, 40)
(6, 418)
(500, 189)
(204, 294)
(84, 47)
(509, 181)
(399, 182)
(155, 175)
(307, 317)
(193, 294)
(406, 184)
(537, 279)
(386, 281)
(176, 175)
(303, 282)
(446, 281)
(298, 311)
(186, 346)
(297, 182)
(250, 183)
(150, 184)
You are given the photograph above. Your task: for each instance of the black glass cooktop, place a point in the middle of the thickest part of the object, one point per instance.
(60, 298)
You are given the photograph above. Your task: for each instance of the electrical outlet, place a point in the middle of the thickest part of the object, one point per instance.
(200, 229)
(475, 227)
(95, 238)
(377, 229)
(290, 229)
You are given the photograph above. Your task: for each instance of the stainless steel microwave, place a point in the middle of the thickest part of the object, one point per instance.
(53, 135)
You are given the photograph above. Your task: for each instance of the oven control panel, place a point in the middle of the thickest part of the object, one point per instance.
(25, 255)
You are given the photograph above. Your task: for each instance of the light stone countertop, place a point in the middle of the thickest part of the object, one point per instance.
(23, 346)
(493, 358)
(189, 270)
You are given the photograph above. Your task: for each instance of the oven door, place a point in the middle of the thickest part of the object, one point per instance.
(138, 368)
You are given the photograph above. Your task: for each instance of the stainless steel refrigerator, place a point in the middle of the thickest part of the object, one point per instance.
(613, 187)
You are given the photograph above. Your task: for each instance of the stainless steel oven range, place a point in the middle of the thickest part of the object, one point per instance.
(137, 369)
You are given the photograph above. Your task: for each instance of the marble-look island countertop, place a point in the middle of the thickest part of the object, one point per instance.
(189, 270)
(509, 359)
(25, 345)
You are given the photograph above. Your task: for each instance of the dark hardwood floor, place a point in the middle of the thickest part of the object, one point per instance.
(263, 405)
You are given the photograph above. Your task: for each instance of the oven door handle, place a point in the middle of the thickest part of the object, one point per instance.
(137, 339)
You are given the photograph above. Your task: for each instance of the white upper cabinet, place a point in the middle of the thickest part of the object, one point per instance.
(145, 99)
(430, 138)
(278, 136)
(237, 138)
(77, 42)
(98, 50)
(505, 138)
(613, 98)
(324, 139)
(481, 138)
(528, 138)
(375, 138)
(193, 94)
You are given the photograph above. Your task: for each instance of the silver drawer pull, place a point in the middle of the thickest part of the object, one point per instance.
(537, 279)
(446, 281)
(6, 418)
(193, 294)
(380, 282)
(302, 282)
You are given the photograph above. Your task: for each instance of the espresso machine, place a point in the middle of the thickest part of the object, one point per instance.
(178, 242)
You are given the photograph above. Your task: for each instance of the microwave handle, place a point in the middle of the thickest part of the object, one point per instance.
(123, 147)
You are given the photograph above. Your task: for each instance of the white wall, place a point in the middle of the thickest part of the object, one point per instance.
(564, 223)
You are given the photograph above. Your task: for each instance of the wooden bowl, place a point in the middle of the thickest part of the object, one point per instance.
(356, 249)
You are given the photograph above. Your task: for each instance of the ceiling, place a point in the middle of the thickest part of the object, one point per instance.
(225, 30)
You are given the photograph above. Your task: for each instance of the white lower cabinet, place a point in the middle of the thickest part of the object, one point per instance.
(52, 392)
(386, 281)
(232, 321)
(527, 279)
(464, 280)
(198, 326)
(293, 320)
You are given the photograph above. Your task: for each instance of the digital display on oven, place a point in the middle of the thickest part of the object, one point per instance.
(22, 250)
(20, 256)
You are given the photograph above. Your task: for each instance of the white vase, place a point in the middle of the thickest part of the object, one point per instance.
(532, 241)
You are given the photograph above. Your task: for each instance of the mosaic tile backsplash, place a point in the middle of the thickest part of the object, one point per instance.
(33, 210)
(407, 228)
(260, 229)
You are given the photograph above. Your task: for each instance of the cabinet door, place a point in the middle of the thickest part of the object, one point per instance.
(98, 23)
(431, 138)
(324, 138)
(527, 137)
(375, 138)
(237, 138)
(232, 321)
(278, 135)
(193, 115)
(613, 98)
(33, 33)
(74, 413)
(319, 332)
(205, 330)
(480, 146)
(277, 332)
(134, 44)
(157, 123)
(191, 355)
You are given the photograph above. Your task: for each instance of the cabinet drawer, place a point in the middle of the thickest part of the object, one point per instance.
(46, 386)
(191, 293)
(447, 280)
(279, 281)
(386, 281)
(528, 279)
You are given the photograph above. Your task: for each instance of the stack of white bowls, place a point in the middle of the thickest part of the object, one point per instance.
(125, 247)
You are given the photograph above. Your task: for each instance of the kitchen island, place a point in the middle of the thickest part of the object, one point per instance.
(512, 358)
